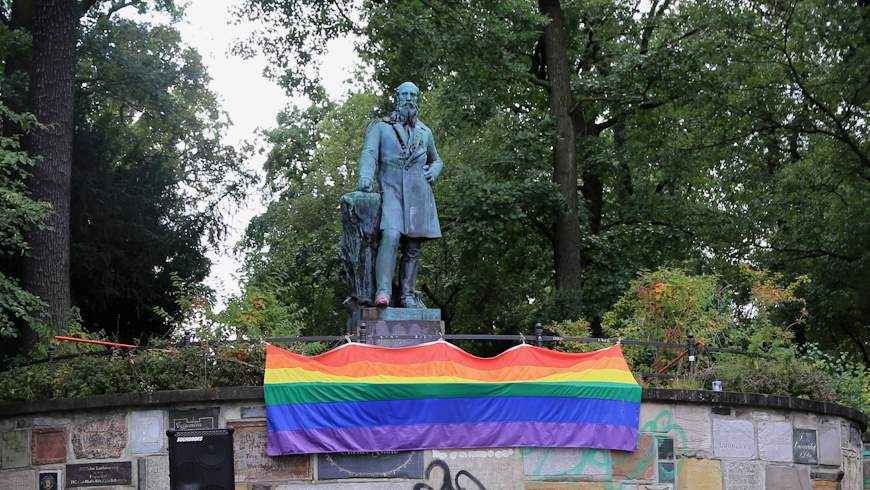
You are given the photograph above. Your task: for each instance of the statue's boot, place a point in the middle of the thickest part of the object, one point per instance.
(385, 264)
(411, 251)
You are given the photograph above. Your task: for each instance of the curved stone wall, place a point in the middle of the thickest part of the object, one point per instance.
(695, 440)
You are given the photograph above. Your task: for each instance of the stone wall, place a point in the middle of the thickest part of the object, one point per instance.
(688, 440)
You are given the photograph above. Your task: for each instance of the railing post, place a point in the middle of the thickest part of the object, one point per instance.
(539, 332)
(691, 348)
(51, 349)
(362, 332)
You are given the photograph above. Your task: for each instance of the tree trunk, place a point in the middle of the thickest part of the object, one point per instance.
(52, 84)
(567, 227)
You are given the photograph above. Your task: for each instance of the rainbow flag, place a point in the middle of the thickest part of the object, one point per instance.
(360, 397)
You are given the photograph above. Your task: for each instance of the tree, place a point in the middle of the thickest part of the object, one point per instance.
(52, 83)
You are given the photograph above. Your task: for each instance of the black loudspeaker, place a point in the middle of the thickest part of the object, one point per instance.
(201, 459)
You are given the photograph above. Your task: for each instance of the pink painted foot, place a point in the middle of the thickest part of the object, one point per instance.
(382, 300)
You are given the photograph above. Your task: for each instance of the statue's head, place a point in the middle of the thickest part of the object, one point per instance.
(405, 98)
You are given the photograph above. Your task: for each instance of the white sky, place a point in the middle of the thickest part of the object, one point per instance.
(252, 103)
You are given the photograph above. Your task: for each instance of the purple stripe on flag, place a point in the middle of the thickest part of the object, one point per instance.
(443, 436)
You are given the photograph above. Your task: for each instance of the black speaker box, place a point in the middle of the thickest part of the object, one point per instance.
(201, 459)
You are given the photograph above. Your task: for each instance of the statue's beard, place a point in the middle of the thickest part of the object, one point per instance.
(407, 114)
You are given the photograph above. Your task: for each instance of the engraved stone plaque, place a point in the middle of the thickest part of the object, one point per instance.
(734, 438)
(742, 475)
(103, 438)
(390, 464)
(48, 446)
(99, 474)
(146, 432)
(15, 449)
(805, 446)
(254, 465)
(195, 418)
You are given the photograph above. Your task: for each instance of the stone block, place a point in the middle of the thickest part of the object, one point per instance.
(691, 429)
(774, 440)
(357, 485)
(656, 417)
(580, 485)
(15, 449)
(99, 438)
(805, 420)
(18, 479)
(566, 463)
(743, 475)
(421, 328)
(254, 412)
(695, 474)
(786, 478)
(734, 438)
(252, 464)
(825, 485)
(829, 445)
(852, 473)
(430, 314)
(153, 473)
(48, 446)
(146, 432)
(639, 464)
(387, 464)
(487, 468)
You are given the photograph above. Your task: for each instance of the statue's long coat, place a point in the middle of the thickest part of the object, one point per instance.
(408, 204)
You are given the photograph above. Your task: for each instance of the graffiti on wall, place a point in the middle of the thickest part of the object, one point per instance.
(659, 439)
(446, 482)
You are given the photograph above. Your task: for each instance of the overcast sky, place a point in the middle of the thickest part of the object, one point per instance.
(251, 101)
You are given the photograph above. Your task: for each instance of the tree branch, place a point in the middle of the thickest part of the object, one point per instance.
(86, 5)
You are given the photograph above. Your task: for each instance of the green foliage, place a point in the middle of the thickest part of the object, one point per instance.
(18, 214)
(153, 181)
(849, 380)
(785, 375)
(205, 366)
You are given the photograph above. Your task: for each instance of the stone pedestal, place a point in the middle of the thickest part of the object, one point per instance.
(422, 322)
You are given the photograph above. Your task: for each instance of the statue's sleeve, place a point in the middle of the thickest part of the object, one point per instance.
(436, 165)
(368, 158)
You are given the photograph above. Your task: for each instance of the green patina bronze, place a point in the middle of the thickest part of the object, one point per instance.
(400, 151)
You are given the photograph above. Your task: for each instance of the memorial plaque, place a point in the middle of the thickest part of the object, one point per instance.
(805, 446)
(255, 412)
(389, 464)
(195, 418)
(48, 446)
(254, 465)
(146, 432)
(99, 474)
(742, 475)
(775, 441)
(48, 480)
(15, 449)
(103, 438)
(734, 438)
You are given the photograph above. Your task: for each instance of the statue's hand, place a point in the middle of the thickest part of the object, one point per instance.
(427, 172)
(364, 184)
